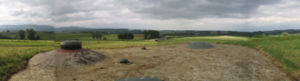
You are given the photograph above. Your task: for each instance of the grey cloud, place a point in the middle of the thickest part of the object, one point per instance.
(38, 2)
(163, 14)
(158, 9)
(34, 8)
(18, 13)
(70, 18)
(46, 4)
(38, 15)
(63, 7)
(193, 9)
(59, 10)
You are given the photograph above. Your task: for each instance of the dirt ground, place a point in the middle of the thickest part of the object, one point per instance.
(168, 63)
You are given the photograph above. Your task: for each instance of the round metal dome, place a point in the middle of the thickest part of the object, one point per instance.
(71, 45)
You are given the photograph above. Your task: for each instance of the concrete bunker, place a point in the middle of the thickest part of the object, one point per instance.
(70, 54)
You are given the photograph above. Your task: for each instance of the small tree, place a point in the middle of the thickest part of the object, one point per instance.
(4, 37)
(21, 34)
(38, 38)
(126, 35)
(150, 34)
(284, 34)
(213, 33)
(31, 34)
(97, 35)
(260, 36)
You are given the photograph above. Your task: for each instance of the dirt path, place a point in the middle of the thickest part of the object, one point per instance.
(168, 63)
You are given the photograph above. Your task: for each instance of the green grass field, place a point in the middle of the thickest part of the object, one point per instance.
(59, 36)
(283, 49)
(14, 54)
(85, 36)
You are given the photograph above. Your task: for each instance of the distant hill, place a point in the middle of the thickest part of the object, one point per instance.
(72, 29)
(85, 29)
(232, 33)
(23, 27)
(276, 32)
(49, 28)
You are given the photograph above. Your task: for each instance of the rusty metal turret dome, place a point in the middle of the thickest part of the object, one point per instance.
(71, 45)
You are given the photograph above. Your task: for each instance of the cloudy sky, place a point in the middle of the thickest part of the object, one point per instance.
(242, 15)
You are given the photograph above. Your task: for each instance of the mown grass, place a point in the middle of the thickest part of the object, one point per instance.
(211, 39)
(14, 54)
(283, 49)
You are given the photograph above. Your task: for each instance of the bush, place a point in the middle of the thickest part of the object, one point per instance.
(125, 35)
(11, 64)
(37, 38)
(31, 34)
(151, 34)
(97, 35)
(260, 36)
(284, 34)
(21, 34)
(213, 33)
(4, 37)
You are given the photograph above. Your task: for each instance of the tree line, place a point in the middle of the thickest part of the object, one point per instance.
(148, 34)
(30, 34)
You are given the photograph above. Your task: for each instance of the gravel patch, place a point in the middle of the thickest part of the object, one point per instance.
(200, 45)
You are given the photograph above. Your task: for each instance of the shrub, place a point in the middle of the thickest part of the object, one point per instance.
(213, 33)
(260, 36)
(284, 34)
(4, 37)
(97, 35)
(151, 34)
(31, 34)
(38, 38)
(125, 35)
(21, 34)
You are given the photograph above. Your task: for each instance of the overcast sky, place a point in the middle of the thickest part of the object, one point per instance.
(242, 15)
